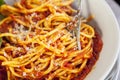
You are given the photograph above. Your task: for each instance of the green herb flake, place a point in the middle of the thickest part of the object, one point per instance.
(2, 2)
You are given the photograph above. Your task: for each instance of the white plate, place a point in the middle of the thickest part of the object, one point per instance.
(108, 25)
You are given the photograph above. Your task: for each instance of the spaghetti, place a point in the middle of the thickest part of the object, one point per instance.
(36, 44)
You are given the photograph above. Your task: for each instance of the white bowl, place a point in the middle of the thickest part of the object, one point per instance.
(108, 25)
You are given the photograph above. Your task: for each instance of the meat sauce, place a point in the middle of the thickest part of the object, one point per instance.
(3, 73)
(97, 46)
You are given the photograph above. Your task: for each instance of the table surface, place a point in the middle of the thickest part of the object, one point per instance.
(116, 9)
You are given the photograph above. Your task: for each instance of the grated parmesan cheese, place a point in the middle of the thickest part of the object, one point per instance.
(24, 74)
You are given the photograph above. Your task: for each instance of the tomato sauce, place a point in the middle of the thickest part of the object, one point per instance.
(97, 46)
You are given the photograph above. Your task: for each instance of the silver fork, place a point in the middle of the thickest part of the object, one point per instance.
(76, 21)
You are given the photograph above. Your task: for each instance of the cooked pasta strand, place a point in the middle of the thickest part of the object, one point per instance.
(38, 45)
